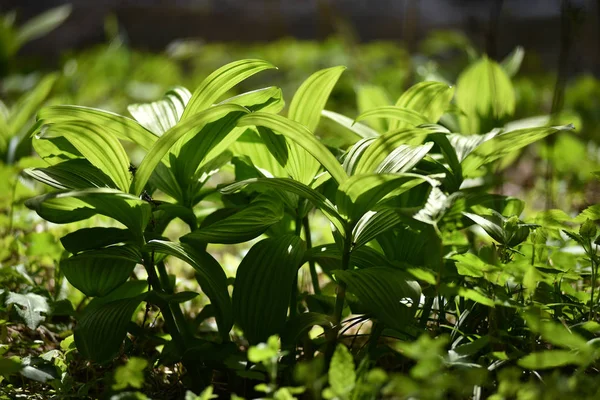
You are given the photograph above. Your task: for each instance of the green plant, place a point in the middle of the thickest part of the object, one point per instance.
(403, 198)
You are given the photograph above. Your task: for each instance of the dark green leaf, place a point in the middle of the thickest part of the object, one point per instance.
(263, 286)
(240, 227)
(210, 276)
(98, 272)
(101, 330)
(390, 294)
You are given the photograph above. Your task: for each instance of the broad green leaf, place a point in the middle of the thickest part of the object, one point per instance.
(504, 144)
(218, 136)
(127, 290)
(210, 276)
(101, 330)
(391, 295)
(160, 116)
(266, 100)
(263, 286)
(429, 99)
(69, 206)
(356, 129)
(71, 174)
(551, 359)
(299, 134)
(31, 307)
(310, 98)
(329, 257)
(220, 81)
(476, 295)
(289, 185)
(98, 272)
(372, 224)
(341, 374)
(94, 238)
(269, 99)
(484, 91)
(242, 226)
(55, 150)
(361, 193)
(29, 103)
(171, 211)
(592, 213)
(385, 144)
(42, 24)
(436, 206)
(166, 141)
(405, 115)
(403, 158)
(122, 127)
(99, 147)
(491, 228)
(352, 157)
(302, 323)
(369, 97)
(465, 144)
(257, 154)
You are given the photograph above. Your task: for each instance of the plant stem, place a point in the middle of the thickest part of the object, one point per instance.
(340, 297)
(164, 308)
(592, 315)
(314, 277)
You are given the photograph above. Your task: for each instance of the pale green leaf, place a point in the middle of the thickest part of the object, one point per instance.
(160, 116)
(122, 127)
(430, 99)
(166, 141)
(99, 147)
(406, 116)
(220, 81)
(342, 374)
(310, 98)
(299, 134)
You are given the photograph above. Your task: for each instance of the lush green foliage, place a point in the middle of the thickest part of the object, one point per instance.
(375, 255)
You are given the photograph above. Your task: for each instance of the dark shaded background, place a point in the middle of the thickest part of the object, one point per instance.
(494, 25)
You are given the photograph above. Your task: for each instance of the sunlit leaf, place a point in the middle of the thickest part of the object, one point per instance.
(430, 99)
(122, 127)
(220, 81)
(302, 136)
(160, 116)
(167, 140)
